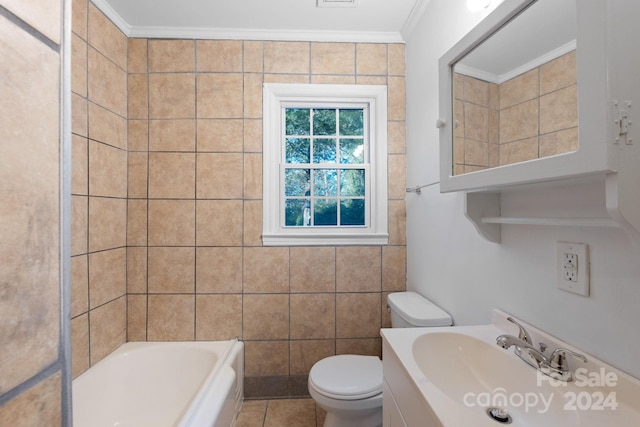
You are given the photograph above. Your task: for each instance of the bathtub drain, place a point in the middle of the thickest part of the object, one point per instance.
(500, 415)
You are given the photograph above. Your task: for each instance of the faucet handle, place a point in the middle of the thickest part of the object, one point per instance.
(558, 359)
(523, 334)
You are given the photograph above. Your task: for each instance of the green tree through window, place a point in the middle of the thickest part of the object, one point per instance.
(325, 175)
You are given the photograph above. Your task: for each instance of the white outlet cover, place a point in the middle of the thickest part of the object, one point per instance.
(579, 286)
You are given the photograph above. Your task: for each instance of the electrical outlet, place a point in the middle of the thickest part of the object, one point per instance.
(570, 266)
(573, 268)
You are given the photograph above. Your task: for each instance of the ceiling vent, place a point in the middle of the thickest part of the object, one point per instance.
(337, 3)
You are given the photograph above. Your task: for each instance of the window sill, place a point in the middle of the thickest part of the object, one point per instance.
(325, 239)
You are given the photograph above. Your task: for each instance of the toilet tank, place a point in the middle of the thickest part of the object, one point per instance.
(411, 310)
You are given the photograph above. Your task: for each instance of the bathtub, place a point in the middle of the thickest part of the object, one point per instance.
(162, 384)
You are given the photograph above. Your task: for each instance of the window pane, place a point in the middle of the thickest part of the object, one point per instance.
(324, 151)
(351, 122)
(297, 121)
(325, 212)
(297, 212)
(297, 150)
(352, 212)
(324, 122)
(325, 182)
(352, 182)
(351, 151)
(297, 182)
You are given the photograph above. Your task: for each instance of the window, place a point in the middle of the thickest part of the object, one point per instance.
(325, 165)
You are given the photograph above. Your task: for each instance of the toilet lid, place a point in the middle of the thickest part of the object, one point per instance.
(347, 376)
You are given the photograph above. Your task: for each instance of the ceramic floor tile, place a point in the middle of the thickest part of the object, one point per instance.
(252, 413)
(291, 413)
(278, 413)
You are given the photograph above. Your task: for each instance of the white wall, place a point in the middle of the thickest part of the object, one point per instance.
(450, 263)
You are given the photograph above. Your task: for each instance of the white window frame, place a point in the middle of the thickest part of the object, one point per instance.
(275, 96)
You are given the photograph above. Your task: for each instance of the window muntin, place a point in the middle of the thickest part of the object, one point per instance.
(325, 165)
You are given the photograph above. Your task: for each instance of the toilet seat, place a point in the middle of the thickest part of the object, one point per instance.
(347, 377)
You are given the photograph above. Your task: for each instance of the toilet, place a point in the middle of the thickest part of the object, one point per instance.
(349, 387)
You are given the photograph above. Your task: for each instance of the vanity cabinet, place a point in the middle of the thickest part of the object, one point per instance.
(601, 139)
(391, 416)
(402, 402)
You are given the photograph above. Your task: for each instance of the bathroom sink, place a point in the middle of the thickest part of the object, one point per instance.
(459, 364)
(461, 374)
(478, 375)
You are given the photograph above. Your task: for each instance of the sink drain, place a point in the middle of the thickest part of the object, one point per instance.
(500, 415)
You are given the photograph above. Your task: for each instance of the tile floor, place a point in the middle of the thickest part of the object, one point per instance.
(280, 413)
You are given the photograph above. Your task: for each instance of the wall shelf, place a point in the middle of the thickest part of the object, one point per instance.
(618, 201)
(567, 222)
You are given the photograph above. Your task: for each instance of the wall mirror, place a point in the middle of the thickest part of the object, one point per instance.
(543, 91)
(515, 94)
(524, 95)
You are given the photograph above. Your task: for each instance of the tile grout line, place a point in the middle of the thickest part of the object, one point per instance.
(146, 325)
(195, 191)
(88, 197)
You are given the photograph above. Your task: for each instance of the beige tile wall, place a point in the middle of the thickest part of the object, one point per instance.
(530, 116)
(197, 269)
(99, 186)
(476, 109)
(167, 207)
(32, 362)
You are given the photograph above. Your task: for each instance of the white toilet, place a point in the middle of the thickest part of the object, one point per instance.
(349, 387)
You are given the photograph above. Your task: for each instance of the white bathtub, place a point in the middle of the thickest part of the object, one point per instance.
(162, 384)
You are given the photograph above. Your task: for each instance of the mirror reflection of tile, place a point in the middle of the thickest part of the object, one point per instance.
(530, 116)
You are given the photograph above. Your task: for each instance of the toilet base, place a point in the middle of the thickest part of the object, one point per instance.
(350, 413)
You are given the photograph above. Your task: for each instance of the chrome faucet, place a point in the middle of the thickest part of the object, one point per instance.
(523, 349)
(559, 366)
(556, 366)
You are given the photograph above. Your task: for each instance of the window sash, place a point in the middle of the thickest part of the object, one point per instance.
(312, 138)
(337, 135)
(367, 197)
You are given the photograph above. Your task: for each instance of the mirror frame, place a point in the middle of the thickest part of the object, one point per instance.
(594, 114)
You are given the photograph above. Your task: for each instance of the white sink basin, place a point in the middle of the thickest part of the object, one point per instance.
(459, 364)
(460, 373)
(478, 375)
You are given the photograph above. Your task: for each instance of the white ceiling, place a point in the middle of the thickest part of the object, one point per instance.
(370, 20)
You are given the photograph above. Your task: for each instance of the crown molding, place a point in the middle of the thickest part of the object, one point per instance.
(113, 16)
(419, 8)
(264, 34)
